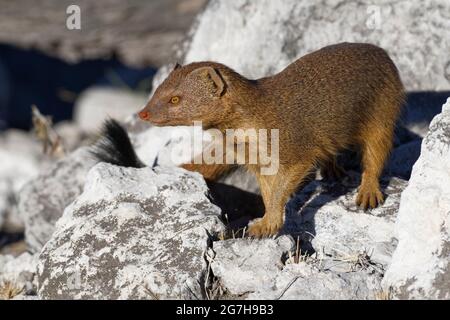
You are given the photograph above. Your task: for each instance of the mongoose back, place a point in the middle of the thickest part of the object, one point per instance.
(343, 95)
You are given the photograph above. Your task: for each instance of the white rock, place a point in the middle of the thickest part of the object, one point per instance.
(244, 265)
(97, 104)
(43, 199)
(71, 134)
(277, 33)
(303, 282)
(20, 273)
(131, 234)
(352, 248)
(420, 266)
(336, 227)
(20, 161)
(256, 269)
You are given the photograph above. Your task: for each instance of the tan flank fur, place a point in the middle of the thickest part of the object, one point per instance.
(341, 96)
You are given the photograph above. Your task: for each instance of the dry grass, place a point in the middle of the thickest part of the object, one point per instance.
(9, 290)
(212, 286)
(297, 257)
(43, 129)
(230, 233)
(384, 294)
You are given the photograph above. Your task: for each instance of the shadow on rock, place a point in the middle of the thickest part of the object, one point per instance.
(238, 205)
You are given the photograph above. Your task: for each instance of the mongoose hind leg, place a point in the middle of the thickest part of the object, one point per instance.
(275, 191)
(377, 144)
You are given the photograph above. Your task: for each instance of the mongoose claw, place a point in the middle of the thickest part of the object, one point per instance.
(263, 228)
(369, 199)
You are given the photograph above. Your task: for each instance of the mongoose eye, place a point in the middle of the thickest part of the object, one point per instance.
(175, 100)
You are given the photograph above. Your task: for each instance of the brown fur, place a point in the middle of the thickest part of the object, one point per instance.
(342, 95)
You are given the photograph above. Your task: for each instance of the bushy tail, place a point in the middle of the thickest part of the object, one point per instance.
(115, 146)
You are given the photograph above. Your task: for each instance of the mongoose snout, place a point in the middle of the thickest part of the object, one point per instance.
(341, 96)
(144, 115)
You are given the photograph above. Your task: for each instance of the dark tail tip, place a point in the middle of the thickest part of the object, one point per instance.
(114, 146)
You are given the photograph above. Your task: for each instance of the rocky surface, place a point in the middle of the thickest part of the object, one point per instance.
(20, 161)
(43, 199)
(242, 265)
(132, 234)
(275, 35)
(335, 250)
(326, 214)
(266, 269)
(420, 266)
(138, 33)
(72, 136)
(18, 276)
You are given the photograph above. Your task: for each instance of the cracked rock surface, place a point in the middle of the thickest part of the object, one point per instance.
(43, 199)
(131, 234)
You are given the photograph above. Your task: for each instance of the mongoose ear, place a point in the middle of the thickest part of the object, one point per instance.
(211, 74)
(177, 66)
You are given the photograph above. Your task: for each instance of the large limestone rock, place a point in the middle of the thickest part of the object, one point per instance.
(132, 234)
(277, 33)
(43, 200)
(420, 267)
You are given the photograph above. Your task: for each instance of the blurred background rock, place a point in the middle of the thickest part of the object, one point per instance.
(120, 44)
(77, 77)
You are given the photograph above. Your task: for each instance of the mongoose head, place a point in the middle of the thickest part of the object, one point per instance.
(194, 92)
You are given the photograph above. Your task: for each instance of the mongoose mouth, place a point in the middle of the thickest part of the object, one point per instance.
(146, 116)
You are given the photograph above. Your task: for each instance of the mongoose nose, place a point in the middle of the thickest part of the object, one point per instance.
(144, 115)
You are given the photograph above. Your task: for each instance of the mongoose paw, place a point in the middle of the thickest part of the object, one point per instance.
(371, 198)
(264, 227)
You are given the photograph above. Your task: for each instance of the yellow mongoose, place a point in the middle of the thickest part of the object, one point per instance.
(343, 95)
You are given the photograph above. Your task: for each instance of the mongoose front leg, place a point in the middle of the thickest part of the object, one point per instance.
(275, 191)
